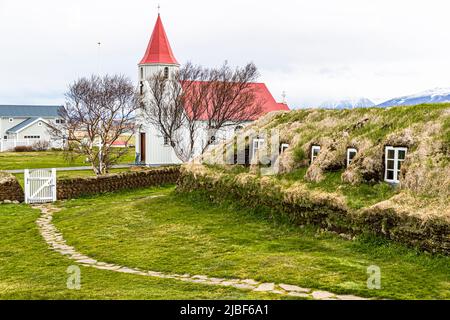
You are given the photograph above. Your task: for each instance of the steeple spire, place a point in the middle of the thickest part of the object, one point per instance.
(158, 49)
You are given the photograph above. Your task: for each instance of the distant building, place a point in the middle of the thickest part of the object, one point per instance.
(151, 147)
(26, 125)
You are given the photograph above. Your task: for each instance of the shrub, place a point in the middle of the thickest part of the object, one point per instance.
(41, 145)
(23, 149)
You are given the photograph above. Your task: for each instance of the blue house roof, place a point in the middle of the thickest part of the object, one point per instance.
(29, 111)
(17, 128)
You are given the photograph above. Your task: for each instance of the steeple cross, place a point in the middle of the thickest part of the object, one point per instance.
(159, 7)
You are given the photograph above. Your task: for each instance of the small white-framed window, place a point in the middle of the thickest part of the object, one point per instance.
(10, 119)
(166, 141)
(166, 73)
(283, 148)
(394, 158)
(257, 145)
(40, 124)
(351, 153)
(5, 137)
(142, 73)
(238, 129)
(314, 152)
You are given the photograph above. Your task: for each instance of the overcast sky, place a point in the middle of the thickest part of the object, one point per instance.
(315, 50)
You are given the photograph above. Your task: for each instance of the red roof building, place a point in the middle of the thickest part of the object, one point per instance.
(159, 53)
(158, 49)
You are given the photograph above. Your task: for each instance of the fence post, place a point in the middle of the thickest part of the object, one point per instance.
(54, 184)
(26, 184)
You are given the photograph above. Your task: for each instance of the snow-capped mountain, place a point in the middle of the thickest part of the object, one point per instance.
(436, 95)
(348, 103)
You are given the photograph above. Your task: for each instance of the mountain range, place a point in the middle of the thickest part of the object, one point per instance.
(437, 95)
(348, 103)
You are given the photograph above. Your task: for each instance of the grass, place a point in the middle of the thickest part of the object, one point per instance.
(358, 196)
(30, 270)
(185, 233)
(46, 159)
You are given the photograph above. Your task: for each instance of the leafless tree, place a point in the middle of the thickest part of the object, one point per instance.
(98, 111)
(197, 98)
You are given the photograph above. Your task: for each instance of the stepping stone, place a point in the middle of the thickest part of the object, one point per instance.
(266, 287)
(299, 294)
(349, 297)
(289, 287)
(229, 283)
(154, 274)
(87, 261)
(243, 286)
(128, 270)
(322, 295)
(277, 291)
(250, 281)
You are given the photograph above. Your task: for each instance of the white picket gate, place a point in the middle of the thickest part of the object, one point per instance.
(40, 185)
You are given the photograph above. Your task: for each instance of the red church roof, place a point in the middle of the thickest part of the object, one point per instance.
(158, 49)
(263, 96)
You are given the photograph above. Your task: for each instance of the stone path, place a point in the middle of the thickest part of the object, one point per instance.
(57, 243)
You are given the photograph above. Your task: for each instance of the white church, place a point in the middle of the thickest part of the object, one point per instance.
(151, 147)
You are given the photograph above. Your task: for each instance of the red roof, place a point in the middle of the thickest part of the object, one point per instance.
(263, 96)
(158, 49)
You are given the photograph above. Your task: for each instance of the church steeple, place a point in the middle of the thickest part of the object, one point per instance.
(158, 49)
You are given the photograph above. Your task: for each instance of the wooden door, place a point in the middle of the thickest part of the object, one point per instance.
(142, 148)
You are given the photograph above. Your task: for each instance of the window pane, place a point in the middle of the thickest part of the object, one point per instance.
(399, 164)
(390, 164)
(401, 154)
(390, 175)
(391, 154)
(398, 174)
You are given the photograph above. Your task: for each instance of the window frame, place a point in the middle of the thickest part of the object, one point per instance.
(259, 142)
(350, 150)
(314, 147)
(11, 119)
(283, 147)
(166, 141)
(395, 177)
(166, 73)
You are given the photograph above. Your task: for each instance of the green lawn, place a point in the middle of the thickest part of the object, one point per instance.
(46, 159)
(188, 234)
(30, 270)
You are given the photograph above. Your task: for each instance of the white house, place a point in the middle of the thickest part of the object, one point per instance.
(151, 147)
(25, 125)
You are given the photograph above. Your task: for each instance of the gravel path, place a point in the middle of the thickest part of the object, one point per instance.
(57, 243)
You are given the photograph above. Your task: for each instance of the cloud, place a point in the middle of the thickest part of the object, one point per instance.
(313, 50)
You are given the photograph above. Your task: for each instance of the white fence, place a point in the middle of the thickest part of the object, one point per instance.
(40, 185)
(9, 145)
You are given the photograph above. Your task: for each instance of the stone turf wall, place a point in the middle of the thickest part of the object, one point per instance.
(10, 189)
(76, 187)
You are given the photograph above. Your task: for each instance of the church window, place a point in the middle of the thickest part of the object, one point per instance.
(166, 141)
(142, 73)
(166, 73)
(141, 88)
(11, 119)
